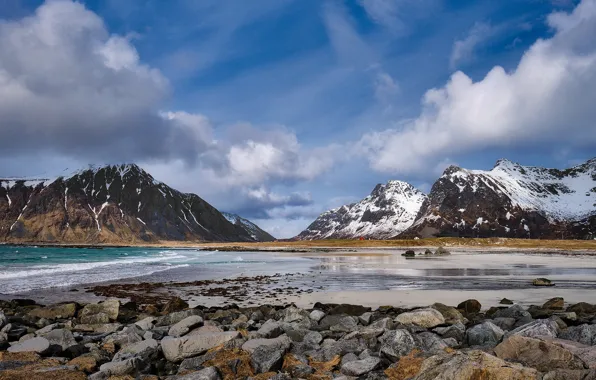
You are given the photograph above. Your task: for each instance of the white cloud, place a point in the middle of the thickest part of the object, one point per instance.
(394, 15)
(548, 98)
(385, 87)
(68, 86)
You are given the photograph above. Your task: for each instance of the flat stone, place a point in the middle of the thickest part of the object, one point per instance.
(541, 327)
(427, 318)
(175, 317)
(60, 311)
(360, 367)
(281, 341)
(97, 313)
(102, 328)
(185, 325)
(271, 329)
(206, 330)
(62, 338)
(120, 368)
(39, 345)
(209, 373)
(176, 349)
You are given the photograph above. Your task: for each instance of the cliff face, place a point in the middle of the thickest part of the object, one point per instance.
(510, 200)
(111, 204)
(389, 209)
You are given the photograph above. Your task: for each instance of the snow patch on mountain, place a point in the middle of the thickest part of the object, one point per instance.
(252, 229)
(390, 209)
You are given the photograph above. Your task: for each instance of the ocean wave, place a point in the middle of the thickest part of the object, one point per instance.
(39, 270)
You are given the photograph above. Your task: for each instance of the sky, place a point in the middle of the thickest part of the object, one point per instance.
(281, 109)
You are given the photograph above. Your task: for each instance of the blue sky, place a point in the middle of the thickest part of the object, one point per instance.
(280, 109)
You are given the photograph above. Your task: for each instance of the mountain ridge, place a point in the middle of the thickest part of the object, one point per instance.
(107, 204)
(510, 200)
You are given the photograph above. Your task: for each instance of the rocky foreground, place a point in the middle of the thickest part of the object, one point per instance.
(112, 340)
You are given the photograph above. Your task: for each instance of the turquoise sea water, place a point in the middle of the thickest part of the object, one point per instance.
(24, 269)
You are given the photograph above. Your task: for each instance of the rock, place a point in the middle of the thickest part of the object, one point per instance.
(409, 253)
(544, 356)
(364, 319)
(451, 314)
(585, 334)
(301, 371)
(397, 343)
(344, 324)
(505, 324)
(209, 373)
(539, 328)
(542, 282)
(442, 251)
(428, 252)
(282, 341)
(146, 323)
(62, 338)
(196, 362)
(472, 365)
(470, 306)
(103, 312)
(352, 310)
(175, 317)
(185, 325)
(427, 318)
(316, 315)
(60, 311)
(430, 343)
(582, 308)
(360, 367)
(39, 345)
(103, 328)
(205, 330)
(313, 338)
(456, 331)
(267, 358)
(3, 320)
(3, 341)
(175, 304)
(292, 314)
(176, 349)
(506, 301)
(143, 349)
(129, 335)
(567, 374)
(121, 368)
(271, 329)
(484, 334)
(516, 311)
(557, 303)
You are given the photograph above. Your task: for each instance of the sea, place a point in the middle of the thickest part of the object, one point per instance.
(29, 268)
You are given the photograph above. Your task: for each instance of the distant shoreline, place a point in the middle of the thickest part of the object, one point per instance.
(337, 244)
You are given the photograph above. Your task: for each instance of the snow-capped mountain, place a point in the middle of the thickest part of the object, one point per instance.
(110, 204)
(511, 200)
(388, 210)
(252, 229)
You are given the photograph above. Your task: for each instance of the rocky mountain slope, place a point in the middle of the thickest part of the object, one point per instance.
(388, 210)
(111, 204)
(510, 200)
(252, 229)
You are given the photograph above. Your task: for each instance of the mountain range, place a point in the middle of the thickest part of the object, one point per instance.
(510, 200)
(112, 204)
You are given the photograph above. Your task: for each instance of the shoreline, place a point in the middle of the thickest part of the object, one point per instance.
(335, 245)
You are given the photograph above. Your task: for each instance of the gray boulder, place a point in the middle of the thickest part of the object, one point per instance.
(102, 312)
(585, 334)
(62, 338)
(121, 368)
(344, 324)
(146, 323)
(143, 349)
(175, 317)
(484, 334)
(360, 367)
(282, 341)
(397, 343)
(316, 315)
(185, 325)
(271, 329)
(176, 349)
(516, 312)
(267, 358)
(506, 324)
(456, 331)
(538, 328)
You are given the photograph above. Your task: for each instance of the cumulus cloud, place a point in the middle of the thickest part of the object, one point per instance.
(68, 86)
(548, 98)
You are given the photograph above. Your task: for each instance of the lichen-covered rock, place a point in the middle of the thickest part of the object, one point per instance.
(397, 343)
(176, 349)
(103, 312)
(427, 318)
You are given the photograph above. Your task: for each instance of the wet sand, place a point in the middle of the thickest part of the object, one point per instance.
(376, 277)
